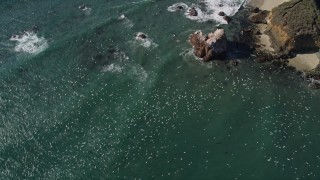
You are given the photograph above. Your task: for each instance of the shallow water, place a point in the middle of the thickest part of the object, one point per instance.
(97, 103)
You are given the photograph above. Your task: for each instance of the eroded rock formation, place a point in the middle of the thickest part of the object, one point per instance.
(213, 46)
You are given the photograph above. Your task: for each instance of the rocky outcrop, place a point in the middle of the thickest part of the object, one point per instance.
(227, 18)
(193, 12)
(259, 16)
(213, 46)
(221, 13)
(294, 26)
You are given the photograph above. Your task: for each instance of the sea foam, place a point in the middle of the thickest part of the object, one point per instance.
(112, 68)
(229, 7)
(175, 7)
(145, 42)
(127, 22)
(85, 9)
(210, 10)
(30, 43)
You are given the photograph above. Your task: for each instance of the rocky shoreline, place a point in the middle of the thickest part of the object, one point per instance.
(293, 29)
(283, 36)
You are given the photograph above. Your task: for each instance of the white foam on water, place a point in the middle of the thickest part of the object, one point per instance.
(140, 73)
(188, 54)
(145, 42)
(229, 7)
(30, 43)
(87, 11)
(121, 56)
(201, 17)
(122, 17)
(212, 8)
(127, 22)
(175, 7)
(112, 68)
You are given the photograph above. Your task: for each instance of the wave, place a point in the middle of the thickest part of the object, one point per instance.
(210, 11)
(85, 9)
(127, 22)
(139, 72)
(30, 43)
(144, 40)
(177, 7)
(229, 7)
(112, 68)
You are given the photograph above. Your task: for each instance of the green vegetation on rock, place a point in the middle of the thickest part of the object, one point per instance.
(295, 26)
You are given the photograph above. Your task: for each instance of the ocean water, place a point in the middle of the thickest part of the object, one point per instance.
(81, 97)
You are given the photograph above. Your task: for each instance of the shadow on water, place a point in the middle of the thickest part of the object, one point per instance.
(238, 43)
(238, 50)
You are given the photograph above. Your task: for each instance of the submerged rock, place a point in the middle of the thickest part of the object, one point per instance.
(213, 46)
(295, 26)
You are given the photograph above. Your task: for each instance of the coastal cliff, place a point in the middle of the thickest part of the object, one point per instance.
(294, 26)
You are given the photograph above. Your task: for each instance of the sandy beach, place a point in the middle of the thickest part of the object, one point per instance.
(265, 4)
(305, 62)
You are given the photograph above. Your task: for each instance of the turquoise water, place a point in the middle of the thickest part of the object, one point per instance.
(98, 104)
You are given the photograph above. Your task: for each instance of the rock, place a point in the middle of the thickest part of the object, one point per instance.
(263, 57)
(314, 74)
(314, 85)
(142, 36)
(295, 26)
(234, 62)
(221, 13)
(259, 17)
(255, 10)
(214, 46)
(15, 37)
(245, 37)
(82, 7)
(193, 12)
(279, 63)
(257, 32)
(227, 18)
(179, 7)
(197, 40)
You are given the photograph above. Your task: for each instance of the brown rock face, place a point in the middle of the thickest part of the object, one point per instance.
(295, 26)
(210, 47)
